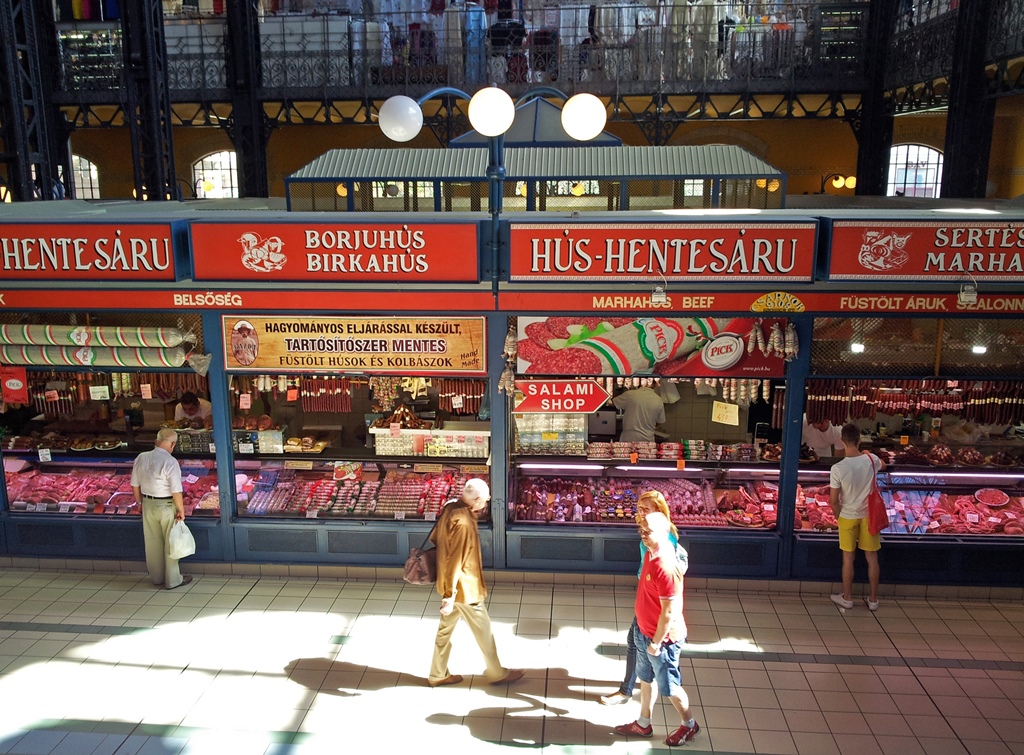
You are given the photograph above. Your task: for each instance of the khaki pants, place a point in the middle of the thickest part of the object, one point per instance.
(157, 520)
(479, 623)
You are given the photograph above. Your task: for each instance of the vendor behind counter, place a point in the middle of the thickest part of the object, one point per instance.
(643, 410)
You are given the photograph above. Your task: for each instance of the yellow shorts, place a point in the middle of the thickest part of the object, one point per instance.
(854, 533)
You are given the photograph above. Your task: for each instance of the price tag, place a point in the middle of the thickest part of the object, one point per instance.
(899, 506)
(399, 515)
(213, 448)
(769, 507)
(312, 513)
(290, 464)
(147, 390)
(190, 479)
(933, 526)
(44, 454)
(680, 464)
(246, 448)
(51, 395)
(292, 394)
(430, 516)
(634, 457)
(972, 517)
(725, 413)
(549, 436)
(456, 402)
(904, 440)
(427, 468)
(396, 429)
(245, 401)
(994, 519)
(1010, 515)
(475, 469)
(99, 392)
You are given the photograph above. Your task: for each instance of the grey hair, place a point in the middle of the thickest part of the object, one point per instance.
(166, 435)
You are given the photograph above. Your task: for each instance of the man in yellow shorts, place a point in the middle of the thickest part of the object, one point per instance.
(850, 482)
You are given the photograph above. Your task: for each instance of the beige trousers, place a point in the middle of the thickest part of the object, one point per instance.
(479, 623)
(157, 520)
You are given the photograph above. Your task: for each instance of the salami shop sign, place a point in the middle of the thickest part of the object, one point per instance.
(93, 251)
(418, 346)
(691, 252)
(384, 252)
(957, 251)
(543, 396)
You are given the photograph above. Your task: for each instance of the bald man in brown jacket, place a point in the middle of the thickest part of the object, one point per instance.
(460, 581)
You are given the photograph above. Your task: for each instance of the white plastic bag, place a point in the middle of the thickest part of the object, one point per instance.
(181, 543)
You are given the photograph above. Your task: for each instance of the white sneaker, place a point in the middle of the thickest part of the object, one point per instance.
(842, 602)
(871, 604)
(615, 698)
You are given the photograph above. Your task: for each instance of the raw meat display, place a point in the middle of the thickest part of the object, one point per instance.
(402, 494)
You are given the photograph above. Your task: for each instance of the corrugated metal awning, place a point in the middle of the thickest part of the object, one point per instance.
(708, 161)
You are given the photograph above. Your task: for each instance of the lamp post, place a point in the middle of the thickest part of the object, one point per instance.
(491, 113)
(839, 181)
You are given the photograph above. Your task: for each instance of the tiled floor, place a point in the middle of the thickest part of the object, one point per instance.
(95, 663)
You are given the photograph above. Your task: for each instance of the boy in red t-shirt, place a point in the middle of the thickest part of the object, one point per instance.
(659, 631)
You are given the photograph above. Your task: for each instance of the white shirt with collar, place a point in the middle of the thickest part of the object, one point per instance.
(157, 473)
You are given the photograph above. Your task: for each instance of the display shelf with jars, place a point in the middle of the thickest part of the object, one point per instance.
(320, 446)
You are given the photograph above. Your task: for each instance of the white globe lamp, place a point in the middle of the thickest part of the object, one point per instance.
(400, 118)
(583, 117)
(491, 112)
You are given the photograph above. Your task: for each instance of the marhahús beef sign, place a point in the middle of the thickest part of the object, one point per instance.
(293, 251)
(865, 250)
(673, 251)
(49, 251)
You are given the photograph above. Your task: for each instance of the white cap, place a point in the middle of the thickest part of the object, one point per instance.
(476, 488)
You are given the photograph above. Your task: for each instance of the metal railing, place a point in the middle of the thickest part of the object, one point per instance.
(606, 49)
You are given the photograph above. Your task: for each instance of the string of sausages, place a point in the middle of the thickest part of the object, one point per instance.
(326, 394)
(778, 406)
(987, 402)
(470, 391)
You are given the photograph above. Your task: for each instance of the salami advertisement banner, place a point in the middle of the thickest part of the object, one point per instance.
(14, 382)
(911, 250)
(416, 346)
(316, 251)
(681, 346)
(691, 252)
(94, 251)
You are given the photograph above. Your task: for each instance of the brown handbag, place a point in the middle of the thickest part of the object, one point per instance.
(421, 565)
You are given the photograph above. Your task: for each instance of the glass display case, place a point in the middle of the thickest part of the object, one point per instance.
(70, 450)
(318, 489)
(337, 446)
(604, 492)
(934, 489)
(98, 484)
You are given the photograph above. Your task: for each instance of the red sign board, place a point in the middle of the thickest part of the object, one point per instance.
(14, 382)
(272, 299)
(912, 250)
(86, 251)
(694, 252)
(291, 251)
(560, 396)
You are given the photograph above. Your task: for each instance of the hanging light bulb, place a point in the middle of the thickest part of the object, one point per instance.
(774, 185)
(341, 190)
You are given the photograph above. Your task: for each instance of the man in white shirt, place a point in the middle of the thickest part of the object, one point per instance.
(821, 437)
(643, 409)
(192, 407)
(156, 482)
(850, 483)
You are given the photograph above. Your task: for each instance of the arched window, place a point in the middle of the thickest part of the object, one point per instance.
(216, 176)
(87, 178)
(914, 171)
